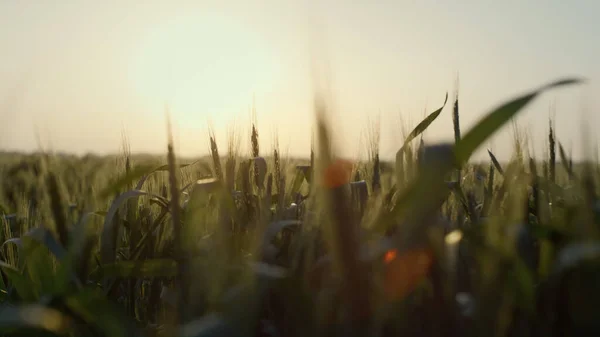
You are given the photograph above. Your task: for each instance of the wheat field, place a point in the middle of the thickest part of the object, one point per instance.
(260, 244)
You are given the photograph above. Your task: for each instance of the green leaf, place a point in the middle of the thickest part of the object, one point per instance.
(564, 160)
(15, 241)
(419, 194)
(496, 163)
(39, 267)
(297, 183)
(203, 188)
(19, 282)
(524, 285)
(494, 120)
(34, 316)
(122, 182)
(46, 238)
(108, 239)
(141, 172)
(34, 251)
(162, 168)
(162, 203)
(424, 124)
(86, 216)
(95, 309)
(40, 235)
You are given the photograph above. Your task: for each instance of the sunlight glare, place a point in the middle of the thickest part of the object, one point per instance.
(202, 67)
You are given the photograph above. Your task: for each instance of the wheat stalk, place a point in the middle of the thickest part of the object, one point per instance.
(177, 230)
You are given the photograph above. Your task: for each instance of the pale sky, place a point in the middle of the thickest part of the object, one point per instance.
(78, 73)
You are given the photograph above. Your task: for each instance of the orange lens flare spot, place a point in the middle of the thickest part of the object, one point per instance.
(390, 255)
(404, 272)
(338, 173)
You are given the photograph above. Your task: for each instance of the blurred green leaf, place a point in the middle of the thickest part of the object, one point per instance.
(34, 316)
(95, 309)
(122, 182)
(161, 267)
(424, 195)
(297, 183)
(162, 168)
(39, 267)
(46, 238)
(86, 216)
(19, 282)
(495, 119)
(42, 236)
(141, 172)
(213, 325)
(524, 286)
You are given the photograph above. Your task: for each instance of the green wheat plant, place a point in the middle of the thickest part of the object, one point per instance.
(265, 245)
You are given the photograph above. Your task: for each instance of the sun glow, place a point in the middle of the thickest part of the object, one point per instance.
(202, 67)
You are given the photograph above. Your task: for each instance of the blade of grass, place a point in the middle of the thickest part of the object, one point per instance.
(565, 162)
(496, 163)
(421, 127)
